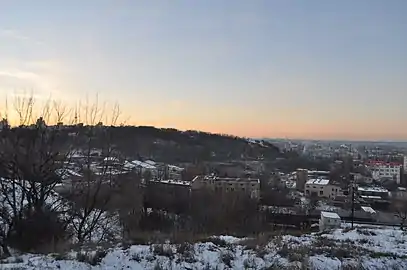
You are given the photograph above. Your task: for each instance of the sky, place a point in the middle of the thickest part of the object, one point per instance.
(298, 69)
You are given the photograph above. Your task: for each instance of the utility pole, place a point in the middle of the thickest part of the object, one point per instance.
(353, 199)
(353, 203)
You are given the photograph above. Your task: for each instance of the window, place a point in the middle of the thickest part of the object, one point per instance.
(321, 192)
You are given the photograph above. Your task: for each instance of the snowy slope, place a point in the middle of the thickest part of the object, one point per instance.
(361, 248)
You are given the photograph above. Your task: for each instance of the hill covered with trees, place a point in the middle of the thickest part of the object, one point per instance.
(175, 146)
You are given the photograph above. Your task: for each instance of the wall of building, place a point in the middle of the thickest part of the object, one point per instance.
(405, 163)
(323, 191)
(251, 187)
(386, 170)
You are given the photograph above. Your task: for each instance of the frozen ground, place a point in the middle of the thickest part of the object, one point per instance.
(361, 248)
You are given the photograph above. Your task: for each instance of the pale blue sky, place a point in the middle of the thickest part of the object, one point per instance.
(307, 68)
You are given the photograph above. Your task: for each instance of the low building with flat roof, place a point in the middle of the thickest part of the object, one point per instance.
(322, 188)
(329, 220)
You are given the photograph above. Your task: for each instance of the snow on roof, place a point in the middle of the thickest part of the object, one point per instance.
(383, 163)
(110, 159)
(150, 162)
(175, 168)
(319, 172)
(143, 164)
(231, 179)
(174, 182)
(371, 197)
(373, 189)
(368, 209)
(318, 181)
(330, 215)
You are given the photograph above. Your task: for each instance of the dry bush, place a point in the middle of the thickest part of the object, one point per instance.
(92, 258)
(38, 231)
(226, 257)
(186, 252)
(164, 250)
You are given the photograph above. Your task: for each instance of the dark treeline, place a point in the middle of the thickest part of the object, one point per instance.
(171, 145)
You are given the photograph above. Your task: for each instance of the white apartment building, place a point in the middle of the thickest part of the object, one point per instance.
(322, 188)
(385, 170)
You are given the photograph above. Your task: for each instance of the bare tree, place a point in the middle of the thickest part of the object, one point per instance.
(93, 194)
(400, 208)
(34, 159)
(30, 159)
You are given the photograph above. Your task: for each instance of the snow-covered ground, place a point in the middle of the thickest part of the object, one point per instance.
(360, 248)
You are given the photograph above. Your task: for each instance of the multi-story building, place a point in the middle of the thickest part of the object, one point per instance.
(385, 170)
(249, 186)
(318, 174)
(301, 178)
(405, 163)
(322, 188)
(372, 194)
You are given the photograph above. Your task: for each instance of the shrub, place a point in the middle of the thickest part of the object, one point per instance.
(136, 257)
(158, 266)
(37, 229)
(216, 241)
(163, 250)
(60, 257)
(378, 255)
(365, 232)
(89, 258)
(82, 257)
(186, 252)
(226, 257)
(250, 263)
(98, 257)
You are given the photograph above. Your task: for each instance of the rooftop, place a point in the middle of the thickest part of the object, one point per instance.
(138, 163)
(330, 215)
(216, 178)
(319, 172)
(383, 163)
(373, 189)
(369, 210)
(173, 182)
(318, 181)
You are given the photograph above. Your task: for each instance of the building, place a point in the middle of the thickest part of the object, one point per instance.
(142, 167)
(405, 163)
(175, 172)
(400, 193)
(318, 174)
(322, 188)
(170, 195)
(301, 178)
(373, 194)
(329, 220)
(385, 170)
(250, 186)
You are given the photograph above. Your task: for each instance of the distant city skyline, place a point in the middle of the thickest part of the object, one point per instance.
(296, 69)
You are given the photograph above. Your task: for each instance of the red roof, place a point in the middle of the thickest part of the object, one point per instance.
(382, 163)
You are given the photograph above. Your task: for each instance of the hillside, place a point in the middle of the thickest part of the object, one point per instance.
(173, 146)
(362, 248)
